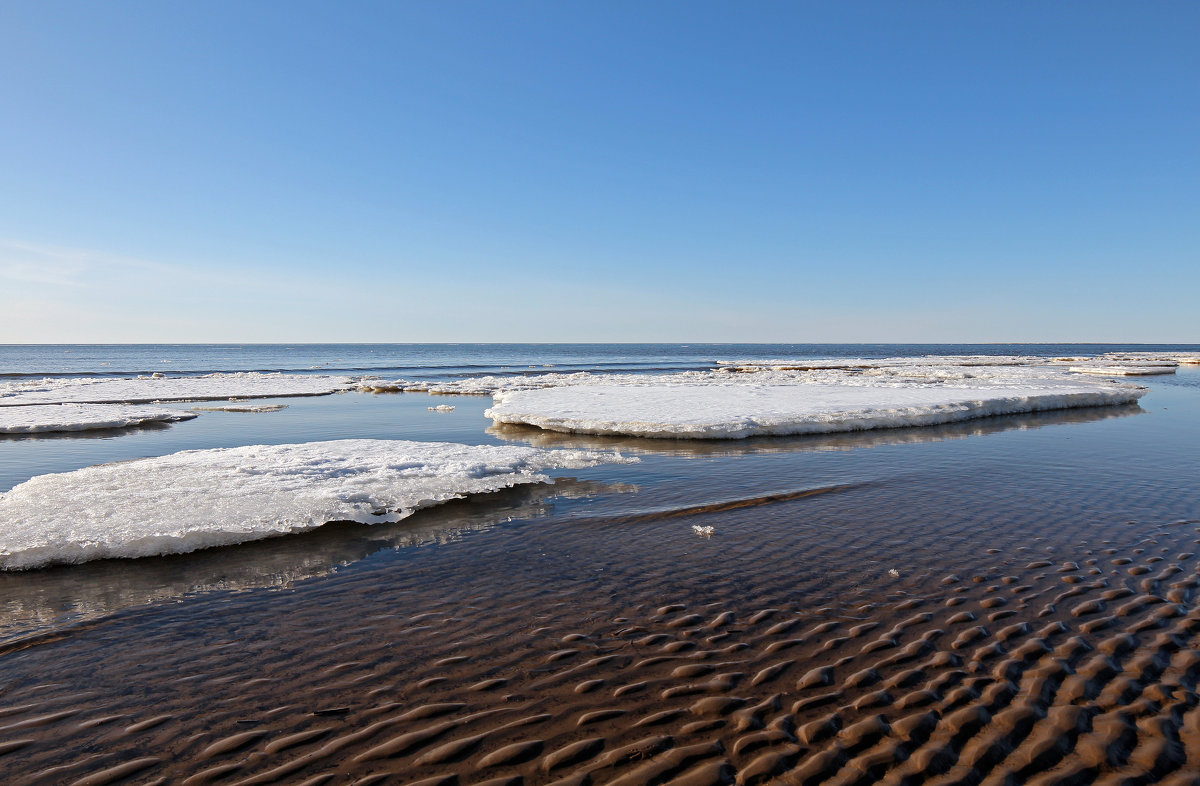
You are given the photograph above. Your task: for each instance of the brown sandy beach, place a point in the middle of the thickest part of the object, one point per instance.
(401, 393)
(940, 630)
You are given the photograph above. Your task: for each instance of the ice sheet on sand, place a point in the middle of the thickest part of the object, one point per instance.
(47, 418)
(147, 389)
(202, 498)
(741, 410)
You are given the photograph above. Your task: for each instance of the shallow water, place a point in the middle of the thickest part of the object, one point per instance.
(1152, 441)
(349, 622)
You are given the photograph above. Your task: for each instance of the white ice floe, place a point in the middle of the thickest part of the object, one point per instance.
(917, 361)
(926, 370)
(1143, 370)
(1136, 358)
(734, 411)
(483, 385)
(441, 408)
(49, 418)
(203, 498)
(157, 387)
(242, 408)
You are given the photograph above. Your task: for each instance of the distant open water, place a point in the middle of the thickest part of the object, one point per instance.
(451, 361)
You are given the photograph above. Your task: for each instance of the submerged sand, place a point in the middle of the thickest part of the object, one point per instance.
(893, 632)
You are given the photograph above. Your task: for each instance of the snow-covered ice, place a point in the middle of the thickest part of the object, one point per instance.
(47, 418)
(1142, 369)
(734, 411)
(242, 408)
(484, 385)
(906, 371)
(202, 498)
(157, 387)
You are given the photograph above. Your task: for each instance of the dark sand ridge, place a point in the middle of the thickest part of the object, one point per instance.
(1026, 636)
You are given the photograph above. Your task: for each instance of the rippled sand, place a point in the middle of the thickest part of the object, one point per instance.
(930, 630)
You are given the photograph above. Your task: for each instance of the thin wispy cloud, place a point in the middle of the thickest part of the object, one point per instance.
(36, 263)
(50, 265)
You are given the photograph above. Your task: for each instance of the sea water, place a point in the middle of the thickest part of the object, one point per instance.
(1130, 463)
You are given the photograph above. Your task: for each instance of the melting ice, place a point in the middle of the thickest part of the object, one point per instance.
(737, 410)
(201, 498)
(146, 389)
(82, 417)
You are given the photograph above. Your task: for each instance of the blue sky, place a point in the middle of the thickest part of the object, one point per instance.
(609, 171)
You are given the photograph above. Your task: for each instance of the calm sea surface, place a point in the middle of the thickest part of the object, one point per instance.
(1108, 466)
(445, 361)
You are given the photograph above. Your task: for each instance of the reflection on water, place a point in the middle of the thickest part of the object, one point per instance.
(846, 440)
(40, 600)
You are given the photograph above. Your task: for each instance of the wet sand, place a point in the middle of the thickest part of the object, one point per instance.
(978, 628)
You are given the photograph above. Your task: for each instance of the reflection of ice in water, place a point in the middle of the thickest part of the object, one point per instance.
(36, 601)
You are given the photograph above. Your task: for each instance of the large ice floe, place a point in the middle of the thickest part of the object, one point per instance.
(157, 387)
(47, 418)
(763, 404)
(202, 498)
(931, 369)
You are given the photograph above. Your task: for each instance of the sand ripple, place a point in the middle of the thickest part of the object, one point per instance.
(1068, 660)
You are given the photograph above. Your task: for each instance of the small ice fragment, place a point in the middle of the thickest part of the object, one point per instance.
(703, 531)
(441, 408)
(894, 572)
